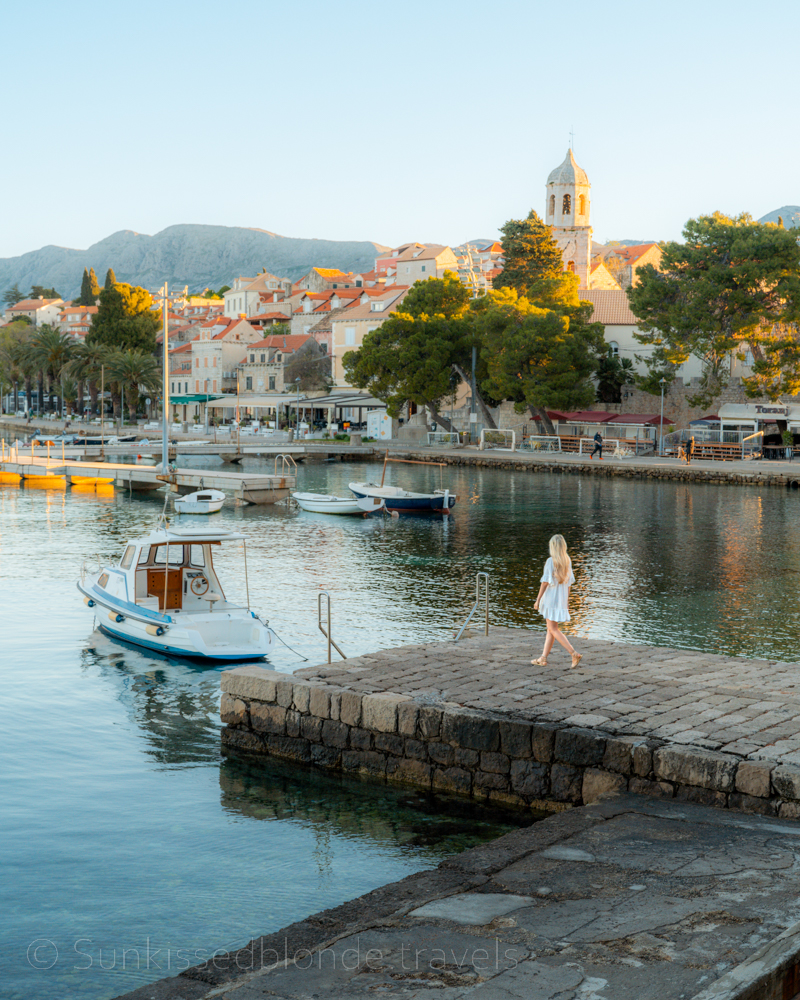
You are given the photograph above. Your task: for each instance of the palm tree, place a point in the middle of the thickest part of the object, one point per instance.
(133, 370)
(85, 367)
(50, 351)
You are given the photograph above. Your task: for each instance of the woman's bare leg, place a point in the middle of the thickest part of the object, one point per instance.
(548, 645)
(555, 633)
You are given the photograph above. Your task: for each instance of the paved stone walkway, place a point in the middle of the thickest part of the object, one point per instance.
(746, 707)
(629, 899)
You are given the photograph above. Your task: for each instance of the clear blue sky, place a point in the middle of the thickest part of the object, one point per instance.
(429, 119)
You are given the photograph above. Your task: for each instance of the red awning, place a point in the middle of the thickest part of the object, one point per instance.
(644, 419)
(589, 417)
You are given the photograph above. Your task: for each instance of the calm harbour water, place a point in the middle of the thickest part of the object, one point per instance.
(124, 824)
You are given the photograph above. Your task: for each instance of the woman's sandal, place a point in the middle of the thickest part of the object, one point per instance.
(541, 662)
(576, 659)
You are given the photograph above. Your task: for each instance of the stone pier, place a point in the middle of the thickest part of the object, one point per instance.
(475, 718)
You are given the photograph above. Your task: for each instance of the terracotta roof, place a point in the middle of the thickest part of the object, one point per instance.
(27, 304)
(426, 253)
(289, 342)
(275, 315)
(632, 254)
(366, 312)
(610, 306)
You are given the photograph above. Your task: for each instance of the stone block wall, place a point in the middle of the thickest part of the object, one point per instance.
(484, 755)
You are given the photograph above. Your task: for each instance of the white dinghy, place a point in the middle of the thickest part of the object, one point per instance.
(201, 502)
(320, 503)
(165, 594)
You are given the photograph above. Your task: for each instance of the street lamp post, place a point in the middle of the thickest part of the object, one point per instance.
(662, 382)
(297, 383)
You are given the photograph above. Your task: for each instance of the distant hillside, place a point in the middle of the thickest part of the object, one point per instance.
(197, 256)
(789, 213)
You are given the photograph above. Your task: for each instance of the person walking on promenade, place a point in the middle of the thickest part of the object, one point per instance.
(553, 600)
(688, 450)
(598, 446)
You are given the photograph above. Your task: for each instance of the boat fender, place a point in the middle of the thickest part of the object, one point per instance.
(88, 602)
(114, 617)
(155, 630)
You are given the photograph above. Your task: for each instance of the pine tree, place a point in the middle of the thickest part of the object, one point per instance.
(111, 278)
(94, 287)
(530, 254)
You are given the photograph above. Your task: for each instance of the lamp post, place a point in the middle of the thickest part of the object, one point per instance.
(297, 383)
(662, 382)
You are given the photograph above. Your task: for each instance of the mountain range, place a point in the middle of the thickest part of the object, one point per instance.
(198, 256)
(208, 257)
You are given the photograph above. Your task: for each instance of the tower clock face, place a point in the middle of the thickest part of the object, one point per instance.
(569, 249)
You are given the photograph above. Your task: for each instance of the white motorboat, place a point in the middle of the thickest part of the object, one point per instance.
(165, 594)
(201, 502)
(321, 503)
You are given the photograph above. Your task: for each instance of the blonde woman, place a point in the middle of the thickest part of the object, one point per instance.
(553, 600)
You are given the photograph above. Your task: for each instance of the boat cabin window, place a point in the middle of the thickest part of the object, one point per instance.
(197, 558)
(144, 555)
(127, 558)
(103, 580)
(175, 554)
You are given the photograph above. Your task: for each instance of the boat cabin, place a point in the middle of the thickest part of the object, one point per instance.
(169, 572)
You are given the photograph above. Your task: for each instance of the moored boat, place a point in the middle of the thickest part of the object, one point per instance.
(321, 503)
(165, 594)
(399, 499)
(200, 502)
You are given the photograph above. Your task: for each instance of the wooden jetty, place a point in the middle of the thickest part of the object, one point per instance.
(253, 488)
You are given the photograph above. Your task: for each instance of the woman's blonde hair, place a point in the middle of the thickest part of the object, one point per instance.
(562, 564)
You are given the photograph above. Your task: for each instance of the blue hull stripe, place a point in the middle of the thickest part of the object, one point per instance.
(192, 654)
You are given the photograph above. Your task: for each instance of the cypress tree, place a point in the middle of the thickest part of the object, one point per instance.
(111, 278)
(94, 288)
(83, 298)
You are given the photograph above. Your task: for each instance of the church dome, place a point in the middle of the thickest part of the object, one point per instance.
(568, 172)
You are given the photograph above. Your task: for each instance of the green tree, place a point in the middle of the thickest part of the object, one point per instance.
(541, 351)
(50, 351)
(125, 318)
(134, 370)
(111, 279)
(40, 292)
(221, 292)
(421, 352)
(406, 359)
(85, 366)
(612, 374)
(13, 295)
(733, 283)
(530, 253)
(90, 290)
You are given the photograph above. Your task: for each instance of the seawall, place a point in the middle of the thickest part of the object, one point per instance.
(634, 719)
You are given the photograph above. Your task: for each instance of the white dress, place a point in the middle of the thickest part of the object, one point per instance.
(554, 604)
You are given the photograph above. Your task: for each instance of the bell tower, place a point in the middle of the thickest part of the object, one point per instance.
(567, 211)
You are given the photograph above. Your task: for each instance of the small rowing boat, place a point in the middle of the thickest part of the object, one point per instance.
(321, 503)
(201, 502)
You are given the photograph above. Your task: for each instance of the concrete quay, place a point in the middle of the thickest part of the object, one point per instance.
(475, 718)
(734, 473)
(629, 899)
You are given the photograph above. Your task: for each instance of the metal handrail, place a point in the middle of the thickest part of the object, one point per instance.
(476, 605)
(320, 595)
(284, 460)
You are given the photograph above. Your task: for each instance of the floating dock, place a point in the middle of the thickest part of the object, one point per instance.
(253, 488)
